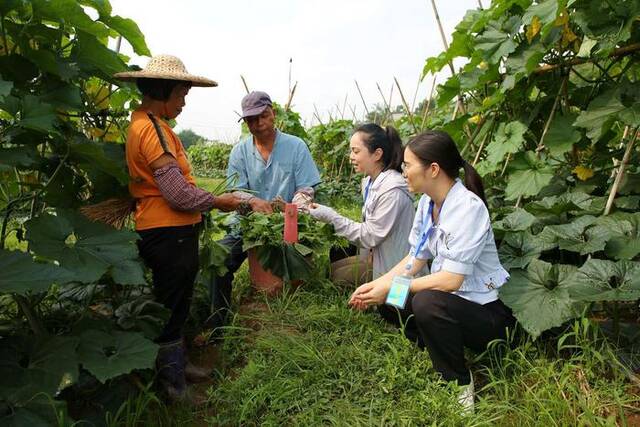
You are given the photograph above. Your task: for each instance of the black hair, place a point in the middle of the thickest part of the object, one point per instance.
(159, 89)
(388, 140)
(437, 147)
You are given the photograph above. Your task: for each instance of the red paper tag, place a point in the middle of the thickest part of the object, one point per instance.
(290, 223)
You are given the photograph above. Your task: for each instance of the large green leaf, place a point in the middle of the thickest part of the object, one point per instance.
(36, 114)
(601, 114)
(106, 157)
(95, 58)
(575, 202)
(47, 61)
(561, 135)
(519, 249)
(69, 12)
(546, 11)
(604, 280)
(509, 138)
(5, 88)
(89, 249)
(19, 273)
(497, 41)
(518, 220)
(539, 296)
(528, 182)
(130, 31)
(626, 243)
(144, 315)
(575, 237)
(522, 62)
(108, 355)
(29, 366)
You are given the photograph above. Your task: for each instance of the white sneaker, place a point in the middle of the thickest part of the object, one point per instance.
(466, 397)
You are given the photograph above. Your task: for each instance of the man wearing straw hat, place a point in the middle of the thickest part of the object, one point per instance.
(269, 164)
(168, 207)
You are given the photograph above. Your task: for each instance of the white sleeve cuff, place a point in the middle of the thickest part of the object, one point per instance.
(457, 267)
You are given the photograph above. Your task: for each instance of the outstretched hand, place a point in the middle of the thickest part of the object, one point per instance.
(372, 293)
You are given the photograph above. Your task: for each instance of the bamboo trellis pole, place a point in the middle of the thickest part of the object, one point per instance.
(406, 106)
(366, 109)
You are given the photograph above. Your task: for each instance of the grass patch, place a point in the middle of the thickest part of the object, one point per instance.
(308, 360)
(209, 184)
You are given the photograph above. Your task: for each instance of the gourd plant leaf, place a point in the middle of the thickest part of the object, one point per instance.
(604, 280)
(518, 220)
(509, 138)
(575, 202)
(144, 315)
(601, 114)
(561, 135)
(624, 242)
(29, 366)
(519, 249)
(108, 355)
(529, 177)
(539, 296)
(89, 249)
(574, 236)
(19, 273)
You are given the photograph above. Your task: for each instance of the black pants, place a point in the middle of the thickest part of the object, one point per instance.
(220, 287)
(172, 255)
(445, 324)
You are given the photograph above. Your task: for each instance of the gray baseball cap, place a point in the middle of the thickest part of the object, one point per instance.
(254, 104)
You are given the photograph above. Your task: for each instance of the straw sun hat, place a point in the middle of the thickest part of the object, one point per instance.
(166, 67)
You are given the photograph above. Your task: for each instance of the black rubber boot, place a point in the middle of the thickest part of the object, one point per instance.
(170, 365)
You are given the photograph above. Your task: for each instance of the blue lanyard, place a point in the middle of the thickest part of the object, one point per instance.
(366, 190)
(427, 230)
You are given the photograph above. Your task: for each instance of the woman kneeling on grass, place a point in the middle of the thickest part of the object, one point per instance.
(457, 305)
(387, 212)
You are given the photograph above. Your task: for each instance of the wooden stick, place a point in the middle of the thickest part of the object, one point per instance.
(244, 82)
(480, 4)
(290, 66)
(622, 51)
(547, 125)
(362, 97)
(293, 91)
(444, 38)
(317, 114)
(344, 105)
(387, 106)
(623, 165)
(428, 106)
(473, 136)
(406, 107)
(415, 95)
(477, 157)
(353, 110)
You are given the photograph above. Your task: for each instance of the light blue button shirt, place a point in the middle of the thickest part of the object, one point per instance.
(289, 168)
(463, 243)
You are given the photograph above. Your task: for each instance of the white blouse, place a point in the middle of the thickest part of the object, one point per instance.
(462, 242)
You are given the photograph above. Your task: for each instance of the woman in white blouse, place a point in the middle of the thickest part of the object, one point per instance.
(456, 305)
(387, 212)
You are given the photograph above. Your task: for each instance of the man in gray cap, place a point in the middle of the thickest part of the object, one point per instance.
(269, 163)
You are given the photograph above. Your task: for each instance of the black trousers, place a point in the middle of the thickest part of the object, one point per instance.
(445, 324)
(220, 287)
(172, 255)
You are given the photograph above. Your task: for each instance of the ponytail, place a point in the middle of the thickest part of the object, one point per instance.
(395, 148)
(388, 140)
(437, 147)
(473, 181)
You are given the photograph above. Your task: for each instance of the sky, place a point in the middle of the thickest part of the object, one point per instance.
(332, 43)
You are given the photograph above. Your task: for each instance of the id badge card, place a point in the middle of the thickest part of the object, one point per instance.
(399, 292)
